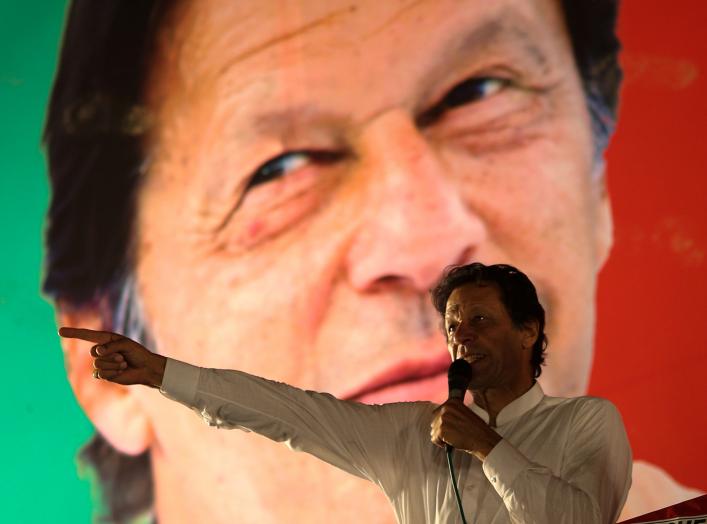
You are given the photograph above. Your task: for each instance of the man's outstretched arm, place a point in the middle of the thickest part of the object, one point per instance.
(357, 438)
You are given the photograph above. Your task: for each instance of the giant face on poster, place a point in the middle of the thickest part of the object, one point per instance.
(274, 187)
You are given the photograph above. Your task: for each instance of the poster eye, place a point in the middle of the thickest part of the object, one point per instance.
(474, 89)
(278, 166)
(289, 161)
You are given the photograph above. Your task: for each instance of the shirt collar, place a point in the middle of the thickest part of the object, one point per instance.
(515, 409)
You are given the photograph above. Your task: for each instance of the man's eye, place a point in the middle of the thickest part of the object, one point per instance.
(290, 161)
(466, 92)
(473, 89)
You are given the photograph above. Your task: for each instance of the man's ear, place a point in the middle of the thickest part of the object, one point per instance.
(604, 231)
(113, 409)
(531, 331)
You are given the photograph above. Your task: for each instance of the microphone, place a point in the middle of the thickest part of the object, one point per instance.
(458, 378)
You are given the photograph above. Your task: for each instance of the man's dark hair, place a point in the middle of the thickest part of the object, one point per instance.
(94, 139)
(517, 294)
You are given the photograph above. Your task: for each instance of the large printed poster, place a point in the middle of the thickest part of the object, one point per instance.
(275, 186)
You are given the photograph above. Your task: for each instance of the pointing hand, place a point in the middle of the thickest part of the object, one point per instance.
(119, 359)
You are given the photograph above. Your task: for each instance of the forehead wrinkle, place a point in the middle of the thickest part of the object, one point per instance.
(391, 19)
(314, 24)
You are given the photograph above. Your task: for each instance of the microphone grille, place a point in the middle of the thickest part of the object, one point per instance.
(459, 375)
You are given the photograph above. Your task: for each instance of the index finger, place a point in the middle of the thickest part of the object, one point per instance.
(90, 335)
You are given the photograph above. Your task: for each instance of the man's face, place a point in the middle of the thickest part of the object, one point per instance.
(313, 169)
(480, 331)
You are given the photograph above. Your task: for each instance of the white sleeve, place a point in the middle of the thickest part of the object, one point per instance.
(360, 439)
(593, 483)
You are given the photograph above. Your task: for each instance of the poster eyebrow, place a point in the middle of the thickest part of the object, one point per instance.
(308, 114)
(502, 28)
(503, 31)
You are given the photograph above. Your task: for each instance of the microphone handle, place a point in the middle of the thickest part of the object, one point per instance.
(459, 394)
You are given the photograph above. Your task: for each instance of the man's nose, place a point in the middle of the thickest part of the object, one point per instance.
(464, 335)
(415, 223)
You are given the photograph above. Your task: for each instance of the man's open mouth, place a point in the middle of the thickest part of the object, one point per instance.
(473, 357)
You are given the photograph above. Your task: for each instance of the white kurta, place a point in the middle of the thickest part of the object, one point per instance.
(560, 460)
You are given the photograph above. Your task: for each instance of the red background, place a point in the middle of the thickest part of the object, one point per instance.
(652, 332)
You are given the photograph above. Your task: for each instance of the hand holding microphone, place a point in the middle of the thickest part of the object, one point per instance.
(457, 426)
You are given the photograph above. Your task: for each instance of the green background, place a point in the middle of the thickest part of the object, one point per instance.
(44, 426)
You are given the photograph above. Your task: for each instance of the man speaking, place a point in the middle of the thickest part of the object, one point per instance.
(523, 457)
